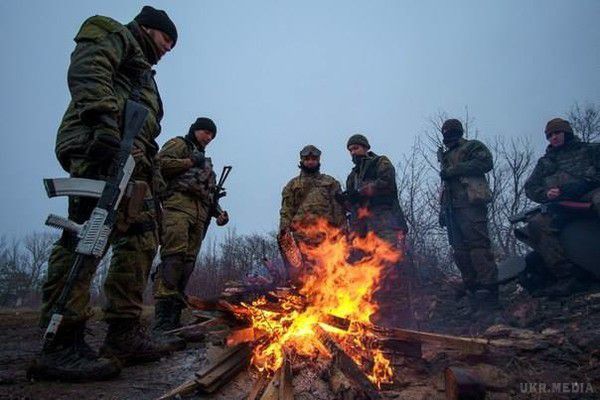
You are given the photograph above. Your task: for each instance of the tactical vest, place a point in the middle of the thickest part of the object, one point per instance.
(462, 191)
(197, 182)
(574, 162)
(367, 172)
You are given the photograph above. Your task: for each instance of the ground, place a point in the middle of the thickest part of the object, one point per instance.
(549, 342)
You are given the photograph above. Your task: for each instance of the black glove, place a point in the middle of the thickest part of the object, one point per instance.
(105, 145)
(198, 159)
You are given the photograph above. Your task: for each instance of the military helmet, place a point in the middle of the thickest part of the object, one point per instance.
(358, 139)
(310, 150)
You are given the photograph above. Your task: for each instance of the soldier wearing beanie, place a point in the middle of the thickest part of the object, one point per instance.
(308, 197)
(111, 63)
(570, 170)
(373, 204)
(463, 211)
(187, 211)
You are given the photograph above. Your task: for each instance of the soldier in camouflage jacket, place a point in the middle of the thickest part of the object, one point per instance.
(110, 64)
(463, 210)
(570, 170)
(187, 211)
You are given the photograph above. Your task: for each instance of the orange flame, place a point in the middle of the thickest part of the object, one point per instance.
(342, 275)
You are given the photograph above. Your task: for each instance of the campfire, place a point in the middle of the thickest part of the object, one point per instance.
(324, 317)
(331, 286)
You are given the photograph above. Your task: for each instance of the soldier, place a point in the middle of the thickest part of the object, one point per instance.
(570, 170)
(372, 198)
(188, 208)
(373, 195)
(111, 63)
(309, 196)
(463, 210)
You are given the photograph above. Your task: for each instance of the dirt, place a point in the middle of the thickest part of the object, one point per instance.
(552, 342)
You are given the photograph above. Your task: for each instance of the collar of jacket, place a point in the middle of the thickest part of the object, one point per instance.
(571, 144)
(145, 41)
(191, 140)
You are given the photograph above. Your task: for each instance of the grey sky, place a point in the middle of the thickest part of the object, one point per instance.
(276, 75)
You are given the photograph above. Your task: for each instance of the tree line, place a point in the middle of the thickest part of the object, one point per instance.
(23, 261)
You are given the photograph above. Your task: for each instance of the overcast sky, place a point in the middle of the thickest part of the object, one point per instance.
(276, 75)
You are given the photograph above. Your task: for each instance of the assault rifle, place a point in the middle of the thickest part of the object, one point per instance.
(218, 192)
(446, 206)
(93, 235)
(549, 207)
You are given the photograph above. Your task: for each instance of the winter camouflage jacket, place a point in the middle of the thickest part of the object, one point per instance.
(574, 168)
(308, 196)
(106, 65)
(379, 172)
(188, 189)
(465, 167)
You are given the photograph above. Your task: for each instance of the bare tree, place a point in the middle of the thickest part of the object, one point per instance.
(585, 121)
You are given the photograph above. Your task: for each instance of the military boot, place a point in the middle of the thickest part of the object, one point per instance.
(69, 358)
(127, 341)
(167, 313)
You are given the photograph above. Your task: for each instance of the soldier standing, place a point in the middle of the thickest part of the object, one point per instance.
(309, 196)
(372, 197)
(463, 210)
(188, 206)
(110, 64)
(570, 170)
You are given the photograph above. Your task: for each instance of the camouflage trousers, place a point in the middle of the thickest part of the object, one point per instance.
(133, 250)
(542, 235)
(472, 246)
(182, 235)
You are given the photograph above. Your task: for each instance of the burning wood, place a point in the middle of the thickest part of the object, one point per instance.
(346, 365)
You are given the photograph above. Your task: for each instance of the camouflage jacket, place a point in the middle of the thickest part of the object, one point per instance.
(465, 166)
(106, 65)
(574, 168)
(381, 174)
(309, 196)
(188, 189)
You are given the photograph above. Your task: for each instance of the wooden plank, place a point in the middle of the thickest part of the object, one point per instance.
(259, 386)
(223, 372)
(336, 322)
(271, 392)
(201, 326)
(347, 365)
(399, 346)
(286, 388)
(242, 335)
(469, 345)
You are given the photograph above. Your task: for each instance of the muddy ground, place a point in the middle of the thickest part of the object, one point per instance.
(546, 342)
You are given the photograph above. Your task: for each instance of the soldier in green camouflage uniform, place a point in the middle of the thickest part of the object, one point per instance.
(463, 211)
(372, 199)
(110, 64)
(309, 196)
(373, 195)
(570, 170)
(187, 211)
